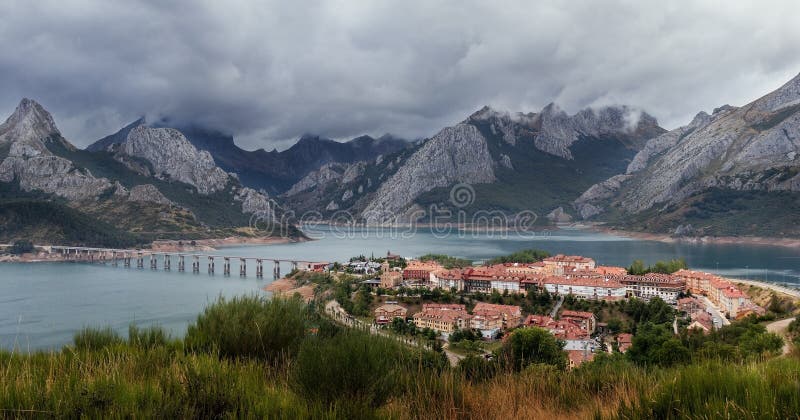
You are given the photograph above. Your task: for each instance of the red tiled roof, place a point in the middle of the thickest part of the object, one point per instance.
(576, 314)
(509, 310)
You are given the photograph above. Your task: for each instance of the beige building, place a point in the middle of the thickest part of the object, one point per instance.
(387, 312)
(443, 318)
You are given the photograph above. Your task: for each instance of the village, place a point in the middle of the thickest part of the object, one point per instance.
(447, 301)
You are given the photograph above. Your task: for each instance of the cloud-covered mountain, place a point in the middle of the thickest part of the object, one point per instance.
(149, 183)
(536, 161)
(274, 172)
(735, 171)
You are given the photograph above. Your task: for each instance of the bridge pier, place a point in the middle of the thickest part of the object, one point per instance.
(126, 260)
(242, 267)
(276, 269)
(196, 264)
(226, 266)
(181, 263)
(140, 261)
(210, 265)
(259, 268)
(167, 262)
(114, 261)
(153, 262)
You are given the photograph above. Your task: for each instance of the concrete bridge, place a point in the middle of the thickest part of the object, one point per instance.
(160, 259)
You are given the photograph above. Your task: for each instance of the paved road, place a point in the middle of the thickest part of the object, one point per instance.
(556, 308)
(714, 311)
(779, 327)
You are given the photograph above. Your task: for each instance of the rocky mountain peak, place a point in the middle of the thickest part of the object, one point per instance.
(784, 96)
(171, 154)
(30, 123)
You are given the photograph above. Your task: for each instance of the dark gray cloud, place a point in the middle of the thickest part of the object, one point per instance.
(269, 71)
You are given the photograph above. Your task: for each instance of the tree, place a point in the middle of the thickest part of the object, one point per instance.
(525, 256)
(637, 268)
(654, 344)
(614, 325)
(533, 345)
(21, 246)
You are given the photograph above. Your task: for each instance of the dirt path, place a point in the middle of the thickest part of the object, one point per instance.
(779, 327)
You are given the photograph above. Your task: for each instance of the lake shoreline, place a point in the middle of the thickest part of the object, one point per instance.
(718, 240)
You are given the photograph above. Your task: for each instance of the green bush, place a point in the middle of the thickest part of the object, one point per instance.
(349, 367)
(96, 338)
(250, 327)
(533, 346)
(21, 246)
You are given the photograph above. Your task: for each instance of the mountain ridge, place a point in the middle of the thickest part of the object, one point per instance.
(737, 151)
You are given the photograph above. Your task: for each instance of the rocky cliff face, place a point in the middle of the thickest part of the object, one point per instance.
(553, 147)
(275, 172)
(320, 178)
(29, 162)
(554, 131)
(455, 154)
(173, 157)
(751, 148)
(153, 166)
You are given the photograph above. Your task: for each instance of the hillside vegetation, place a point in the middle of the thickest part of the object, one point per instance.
(249, 357)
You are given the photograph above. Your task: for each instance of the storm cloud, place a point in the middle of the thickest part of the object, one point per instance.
(269, 71)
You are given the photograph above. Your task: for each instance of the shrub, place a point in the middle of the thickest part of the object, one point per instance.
(249, 326)
(530, 346)
(21, 247)
(350, 366)
(96, 338)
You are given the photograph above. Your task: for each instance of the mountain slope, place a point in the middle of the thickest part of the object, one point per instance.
(747, 156)
(151, 184)
(516, 162)
(274, 171)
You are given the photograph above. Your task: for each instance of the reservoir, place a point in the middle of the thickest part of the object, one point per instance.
(43, 304)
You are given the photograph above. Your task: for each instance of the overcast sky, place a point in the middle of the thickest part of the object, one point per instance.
(269, 71)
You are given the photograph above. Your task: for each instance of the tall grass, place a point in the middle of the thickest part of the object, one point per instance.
(337, 373)
(249, 326)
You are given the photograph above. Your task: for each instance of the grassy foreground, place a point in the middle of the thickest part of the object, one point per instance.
(249, 357)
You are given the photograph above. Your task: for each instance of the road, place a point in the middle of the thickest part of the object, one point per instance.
(338, 314)
(714, 311)
(779, 327)
(556, 308)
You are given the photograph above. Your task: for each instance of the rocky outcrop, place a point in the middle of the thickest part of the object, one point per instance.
(558, 215)
(591, 202)
(748, 148)
(665, 141)
(173, 157)
(28, 127)
(148, 193)
(52, 175)
(554, 131)
(456, 154)
(325, 175)
(253, 202)
(30, 163)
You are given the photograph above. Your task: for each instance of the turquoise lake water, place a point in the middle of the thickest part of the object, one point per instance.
(42, 305)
